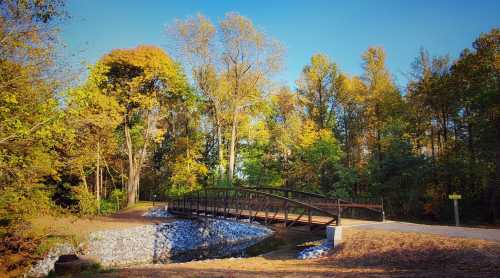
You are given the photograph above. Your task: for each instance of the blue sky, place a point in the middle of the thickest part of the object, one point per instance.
(340, 29)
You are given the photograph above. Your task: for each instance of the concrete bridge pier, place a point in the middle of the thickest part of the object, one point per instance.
(334, 235)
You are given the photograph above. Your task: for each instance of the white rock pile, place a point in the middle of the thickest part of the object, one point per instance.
(315, 251)
(167, 241)
(157, 213)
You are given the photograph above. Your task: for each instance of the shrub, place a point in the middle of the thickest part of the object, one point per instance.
(86, 200)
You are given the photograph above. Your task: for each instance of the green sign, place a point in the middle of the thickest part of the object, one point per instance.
(455, 196)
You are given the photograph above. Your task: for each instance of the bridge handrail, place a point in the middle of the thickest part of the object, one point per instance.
(372, 206)
(263, 193)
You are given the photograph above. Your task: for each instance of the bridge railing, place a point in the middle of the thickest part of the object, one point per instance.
(252, 205)
(360, 208)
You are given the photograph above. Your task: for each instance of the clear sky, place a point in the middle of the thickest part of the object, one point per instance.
(340, 29)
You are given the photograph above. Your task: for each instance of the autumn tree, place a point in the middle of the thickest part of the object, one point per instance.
(195, 38)
(231, 75)
(317, 84)
(382, 98)
(94, 117)
(144, 81)
(30, 117)
(351, 122)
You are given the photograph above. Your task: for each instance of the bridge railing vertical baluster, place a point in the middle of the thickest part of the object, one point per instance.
(250, 207)
(285, 208)
(241, 203)
(266, 205)
(225, 203)
(198, 202)
(205, 202)
(382, 212)
(216, 201)
(309, 218)
(339, 212)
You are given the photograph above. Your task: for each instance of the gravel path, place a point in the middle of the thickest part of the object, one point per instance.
(476, 233)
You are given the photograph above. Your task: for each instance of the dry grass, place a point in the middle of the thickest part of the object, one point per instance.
(417, 253)
(363, 254)
(79, 228)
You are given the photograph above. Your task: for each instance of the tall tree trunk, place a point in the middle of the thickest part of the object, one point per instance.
(220, 146)
(84, 179)
(103, 184)
(98, 177)
(232, 148)
(131, 190)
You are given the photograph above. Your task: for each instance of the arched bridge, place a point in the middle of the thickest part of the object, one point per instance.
(269, 206)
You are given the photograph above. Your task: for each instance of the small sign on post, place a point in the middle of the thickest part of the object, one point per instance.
(455, 197)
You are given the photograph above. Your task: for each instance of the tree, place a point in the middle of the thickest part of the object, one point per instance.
(94, 117)
(195, 38)
(351, 122)
(144, 81)
(317, 85)
(31, 129)
(383, 98)
(478, 72)
(231, 75)
(248, 58)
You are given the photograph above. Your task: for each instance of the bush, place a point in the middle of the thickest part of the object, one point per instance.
(117, 196)
(17, 205)
(86, 201)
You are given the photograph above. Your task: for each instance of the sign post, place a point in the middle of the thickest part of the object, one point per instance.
(455, 197)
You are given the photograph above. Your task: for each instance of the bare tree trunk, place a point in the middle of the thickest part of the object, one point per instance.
(136, 160)
(98, 177)
(232, 148)
(220, 145)
(103, 184)
(131, 169)
(84, 179)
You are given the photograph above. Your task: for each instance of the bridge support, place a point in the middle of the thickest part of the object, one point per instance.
(334, 235)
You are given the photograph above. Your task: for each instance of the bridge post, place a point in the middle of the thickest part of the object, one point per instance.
(309, 218)
(266, 209)
(250, 207)
(225, 203)
(286, 212)
(206, 203)
(339, 212)
(382, 205)
(198, 202)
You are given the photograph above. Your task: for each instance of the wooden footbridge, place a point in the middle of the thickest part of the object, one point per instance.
(272, 205)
